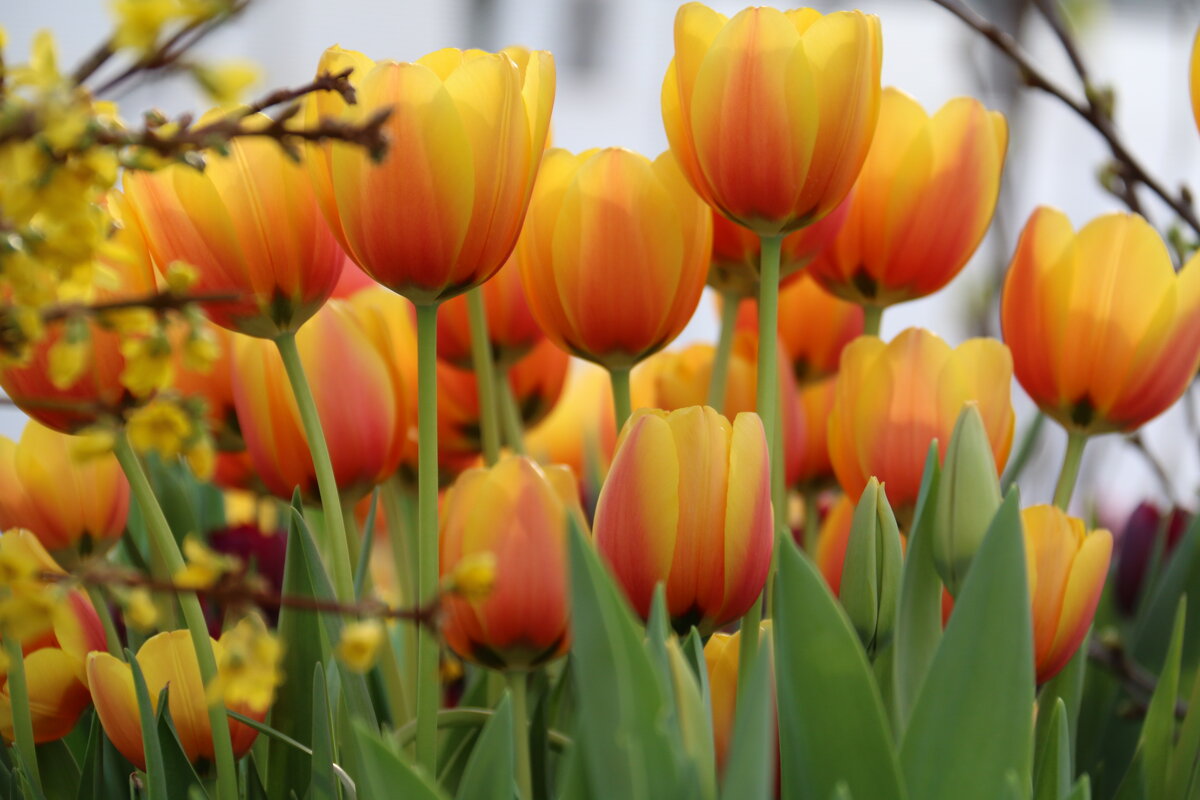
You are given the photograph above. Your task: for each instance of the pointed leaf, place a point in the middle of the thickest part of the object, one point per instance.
(1158, 730)
(489, 773)
(156, 773)
(1052, 780)
(753, 750)
(323, 785)
(386, 773)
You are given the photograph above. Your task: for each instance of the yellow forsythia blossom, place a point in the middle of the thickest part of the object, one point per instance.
(360, 643)
(159, 426)
(148, 364)
(140, 610)
(204, 565)
(248, 668)
(474, 576)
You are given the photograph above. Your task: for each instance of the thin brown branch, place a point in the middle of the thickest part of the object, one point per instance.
(1156, 466)
(158, 302)
(98, 58)
(1091, 110)
(1054, 17)
(325, 82)
(1137, 682)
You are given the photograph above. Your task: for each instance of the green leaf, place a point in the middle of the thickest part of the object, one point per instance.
(156, 773)
(1158, 730)
(59, 770)
(386, 773)
(323, 786)
(489, 773)
(753, 750)
(1082, 790)
(1185, 757)
(919, 612)
(368, 542)
(625, 752)
(971, 724)
(832, 725)
(1052, 778)
(1066, 686)
(1153, 627)
(180, 774)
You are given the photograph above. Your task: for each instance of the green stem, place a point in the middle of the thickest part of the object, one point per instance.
(622, 401)
(485, 377)
(1070, 469)
(748, 644)
(331, 502)
(720, 368)
(812, 521)
(22, 717)
(397, 506)
(1029, 441)
(111, 640)
(516, 687)
(428, 684)
(163, 542)
(872, 320)
(447, 718)
(514, 427)
(767, 385)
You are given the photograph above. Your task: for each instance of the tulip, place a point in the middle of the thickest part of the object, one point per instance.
(721, 659)
(1067, 566)
(465, 136)
(688, 503)
(894, 398)
(54, 655)
(359, 398)
(870, 585)
(1148, 533)
(898, 242)
(512, 329)
(771, 113)
(614, 253)
(166, 660)
(70, 503)
(814, 326)
(519, 512)
(250, 225)
(816, 404)
(834, 538)
(1105, 335)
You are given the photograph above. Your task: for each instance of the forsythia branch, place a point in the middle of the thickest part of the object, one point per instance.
(1137, 682)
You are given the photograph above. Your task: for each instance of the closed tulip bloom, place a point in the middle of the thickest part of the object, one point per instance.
(898, 242)
(737, 251)
(894, 398)
(771, 113)
(519, 512)
(721, 657)
(512, 329)
(54, 657)
(816, 404)
(1105, 335)
(358, 396)
(166, 660)
(250, 225)
(69, 502)
(442, 211)
(614, 253)
(814, 326)
(833, 541)
(1067, 566)
(688, 503)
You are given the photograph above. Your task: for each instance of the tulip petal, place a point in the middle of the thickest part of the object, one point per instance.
(1081, 594)
(748, 517)
(168, 659)
(111, 684)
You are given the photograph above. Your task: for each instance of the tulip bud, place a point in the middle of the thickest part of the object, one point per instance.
(967, 500)
(871, 572)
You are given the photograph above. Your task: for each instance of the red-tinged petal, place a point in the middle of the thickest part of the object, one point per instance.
(748, 517)
(111, 685)
(168, 659)
(1080, 597)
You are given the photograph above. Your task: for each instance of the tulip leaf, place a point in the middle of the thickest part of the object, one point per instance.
(105, 771)
(156, 773)
(179, 770)
(832, 725)
(58, 768)
(1158, 729)
(1082, 790)
(753, 751)
(365, 547)
(1066, 686)
(919, 611)
(489, 773)
(457, 743)
(385, 772)
(971, 723)
(322, 785)
(1185, 758)
(1052, 775)
(624, 750)
(1153, 627)
(694, 719)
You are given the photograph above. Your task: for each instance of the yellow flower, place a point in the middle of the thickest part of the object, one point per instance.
(67, 361)
(139, 22)
(474, 576)
(180, 276)
(360, 644)
(204, 565)
(201, 458)
(140, 610)
(248, 672)
(92, 443)
(131, 321)
(201, 350)
(148, 364)
(160, 426)
(225, 83)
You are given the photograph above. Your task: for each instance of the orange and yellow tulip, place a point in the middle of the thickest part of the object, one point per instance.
(250, 225)
(614, 253)
(833, 541)
(770, 113)
(1105, 335)
(814, 326)
(519, 512)
(816, 404)
(359, 397)
(721, 658)
(54, 656)
(70, 503)
(893, 399)
(1067, 566)
(898, 242)
(166, 659)
(512, 329)
(442, 211)
(688, 503)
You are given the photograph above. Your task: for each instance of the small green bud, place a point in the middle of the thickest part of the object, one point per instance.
(967, 499)
(871, 572)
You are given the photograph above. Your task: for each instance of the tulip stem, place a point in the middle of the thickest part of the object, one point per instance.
(485, 375)
(767, 385)
(812, 521)
(22, 717)
(514, 428)
(872, 320)
(111, 640)
(1070, 469)
(334, 529)
(428, 685)
(163, 542)
(622, 401)
(517, 686)
(720, 367)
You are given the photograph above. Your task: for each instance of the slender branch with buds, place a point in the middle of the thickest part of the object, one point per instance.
(158, 302)
(1138, 683)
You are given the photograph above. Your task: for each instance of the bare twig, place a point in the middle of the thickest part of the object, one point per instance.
(1137, 682)
(1156, 466)
(1091, 109)
(325, 82)
(157, 302)
(103, 52)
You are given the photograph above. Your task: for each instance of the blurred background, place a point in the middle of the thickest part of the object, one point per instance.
(611, 56)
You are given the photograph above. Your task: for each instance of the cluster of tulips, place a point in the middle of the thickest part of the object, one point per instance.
(396, 345)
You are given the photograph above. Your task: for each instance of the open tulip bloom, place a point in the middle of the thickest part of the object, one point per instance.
(374, 451)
